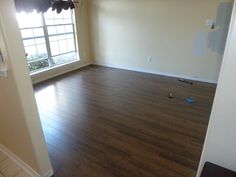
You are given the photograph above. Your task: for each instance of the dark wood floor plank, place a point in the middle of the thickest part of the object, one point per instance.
(104, 122)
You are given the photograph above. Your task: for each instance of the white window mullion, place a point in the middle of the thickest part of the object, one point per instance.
(47, 42)
(74, 27)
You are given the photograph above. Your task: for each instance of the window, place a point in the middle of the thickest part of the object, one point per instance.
(49, 39)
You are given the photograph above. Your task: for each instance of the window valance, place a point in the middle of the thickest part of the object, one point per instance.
(43, 5)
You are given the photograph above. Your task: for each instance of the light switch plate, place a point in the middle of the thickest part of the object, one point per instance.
(3, 71)
(1, 58)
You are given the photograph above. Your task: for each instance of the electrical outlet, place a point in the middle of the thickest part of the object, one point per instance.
(149, 59)
(210, 23)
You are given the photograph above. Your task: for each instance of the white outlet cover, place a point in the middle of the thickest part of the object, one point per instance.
(149, 59)
(209, 22)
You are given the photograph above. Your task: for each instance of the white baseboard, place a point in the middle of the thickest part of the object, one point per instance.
(49, 173)
(19, 162)
(51, 73)
(156, 72)
(22, 164)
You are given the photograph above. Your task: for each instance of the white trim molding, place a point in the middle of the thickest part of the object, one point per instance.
(53, 72)
(22, 164)
(156, 72)
(49, 173)
(19, 162)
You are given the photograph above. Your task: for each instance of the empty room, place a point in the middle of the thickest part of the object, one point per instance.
(117, 88)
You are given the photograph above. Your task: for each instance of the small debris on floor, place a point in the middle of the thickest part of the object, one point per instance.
(189, 100)
(171, 95)
(185, 81)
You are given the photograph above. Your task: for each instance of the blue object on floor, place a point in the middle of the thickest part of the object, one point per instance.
(189, 100)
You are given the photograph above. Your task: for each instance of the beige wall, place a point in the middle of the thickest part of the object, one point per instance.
(126, 33)
(20, 128)
(220, 143)
(83, 32)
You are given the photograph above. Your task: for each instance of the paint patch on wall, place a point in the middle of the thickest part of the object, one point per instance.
(217, 38)
(200, 44)
(224, 14)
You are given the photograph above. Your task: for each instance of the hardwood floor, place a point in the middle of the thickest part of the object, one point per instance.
(103, 122)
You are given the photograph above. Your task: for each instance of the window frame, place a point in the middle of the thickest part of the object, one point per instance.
(46, 37)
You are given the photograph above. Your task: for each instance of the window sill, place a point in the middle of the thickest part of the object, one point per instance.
(53, 68)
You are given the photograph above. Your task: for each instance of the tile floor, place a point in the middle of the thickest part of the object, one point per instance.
(8, 168)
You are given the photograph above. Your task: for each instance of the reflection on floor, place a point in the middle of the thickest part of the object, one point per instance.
(103, 122)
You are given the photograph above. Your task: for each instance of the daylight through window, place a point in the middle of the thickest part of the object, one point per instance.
(49, 39)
